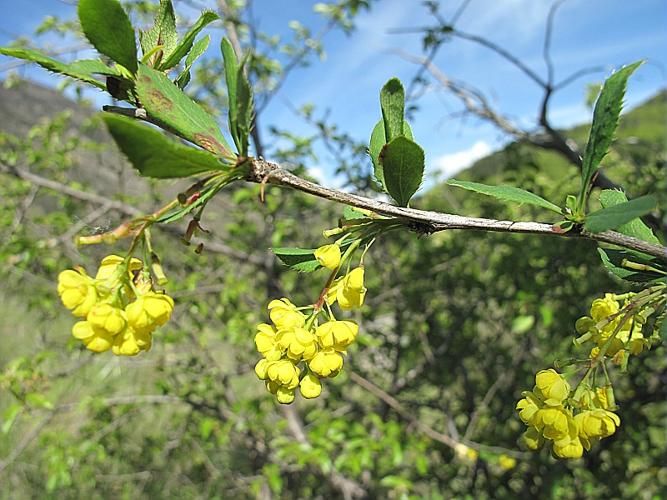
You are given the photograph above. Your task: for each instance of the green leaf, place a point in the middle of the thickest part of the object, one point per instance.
(37, 400)
(392, 102)
(299, 259)
(506, 193)
(9, 416)
(244, 110)
(231, 76)
(184, 46)
(168, 105)
(352, 213)
(198, 49)
(163, 32)
(403, 168)
(617, 215)
(613, 261)
(663, 328)
(636, 227)
(605, 120)
(107, 27)
(377, 142)
(153, 154)
(81, 70)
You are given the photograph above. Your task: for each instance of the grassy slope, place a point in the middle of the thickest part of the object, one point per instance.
(645, 124)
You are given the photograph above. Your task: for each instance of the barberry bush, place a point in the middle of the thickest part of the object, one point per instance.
(307, 339)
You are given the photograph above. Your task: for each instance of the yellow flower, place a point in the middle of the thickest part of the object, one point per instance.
(261, 368)
(506, 462)
(328, 256)
(616, 344)
(285, 395)
(326, 363)
(465, 452)
(528, 407)
(603, 308)
(568, 447)
(77, 292)
(635, 341)
(551, 387)
(149, 311)
(96, 340)
(337, 334)
(130, 342)
(284, 314)
(107, 317)
(265, 341)
(597, 423)
(109, 267)
(532, 439)
(284, 372)
(310, 386)
(350, 291)
(299, 343)
(554, 422)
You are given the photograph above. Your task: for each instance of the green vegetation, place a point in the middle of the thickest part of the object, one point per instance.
(453, 326)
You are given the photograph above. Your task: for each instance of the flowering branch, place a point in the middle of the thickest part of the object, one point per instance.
(426, 221)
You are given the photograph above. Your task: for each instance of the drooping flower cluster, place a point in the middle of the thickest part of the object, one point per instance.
(571, 426)
(298, 350)
(607, 322)
(119, 307)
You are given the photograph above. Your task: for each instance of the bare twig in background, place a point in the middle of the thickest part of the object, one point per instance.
(120, 207)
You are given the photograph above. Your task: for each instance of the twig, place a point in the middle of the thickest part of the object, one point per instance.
(348, 488)
(120, 207)
(409, 416)
(425, 221)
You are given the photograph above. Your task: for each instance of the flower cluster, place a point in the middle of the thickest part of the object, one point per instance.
(119, 308)
(608, 323)
(552, 414)
(297, 350)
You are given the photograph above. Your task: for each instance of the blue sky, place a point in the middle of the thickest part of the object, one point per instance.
(587, 33)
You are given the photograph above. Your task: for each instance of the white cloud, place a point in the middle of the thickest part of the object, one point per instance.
(317, 173)
(452, 163)
(518, 19)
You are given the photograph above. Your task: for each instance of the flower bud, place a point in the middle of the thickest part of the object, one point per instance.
(506, 462)
(310, 386)
(284, 395)
(351, 291)
(328, 256)
(551, 387)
